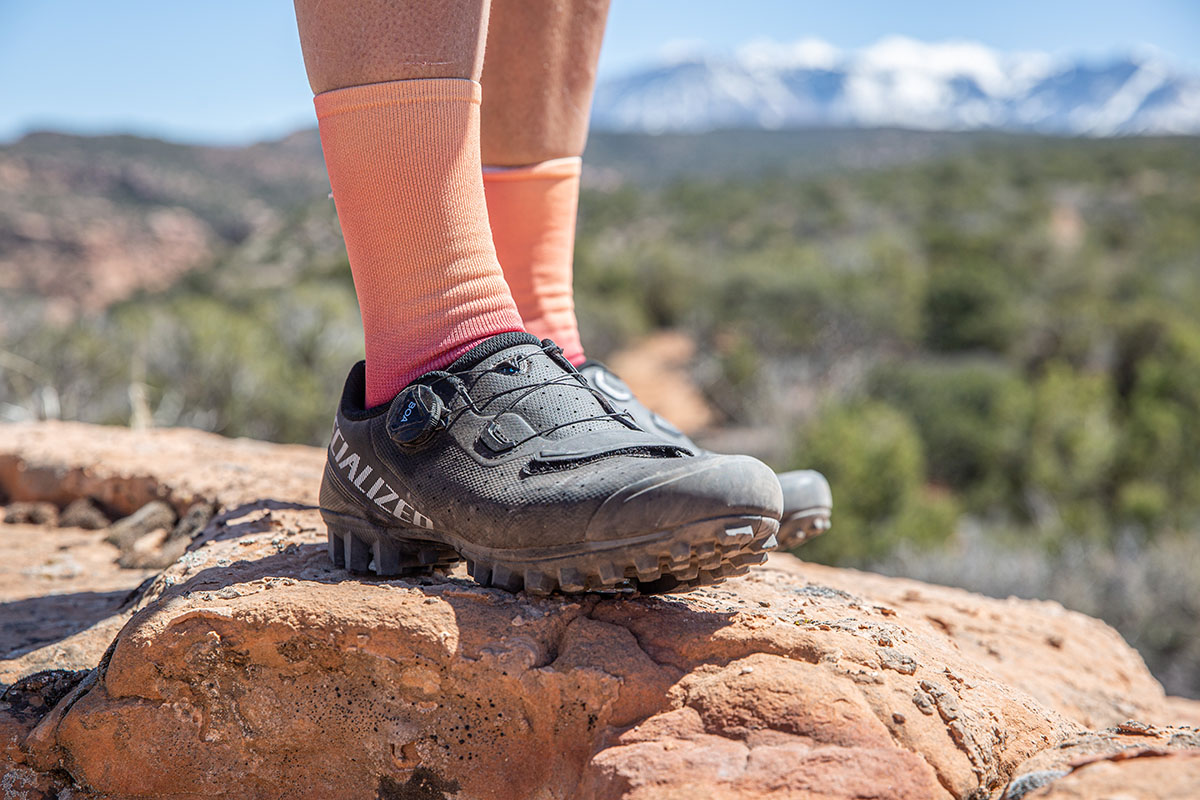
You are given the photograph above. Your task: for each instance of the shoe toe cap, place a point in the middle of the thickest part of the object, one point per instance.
(689, 490)
(804, 489)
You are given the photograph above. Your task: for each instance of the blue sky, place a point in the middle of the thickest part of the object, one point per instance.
(224, 71)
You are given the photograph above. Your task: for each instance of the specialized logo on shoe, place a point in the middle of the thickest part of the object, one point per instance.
(380, 492)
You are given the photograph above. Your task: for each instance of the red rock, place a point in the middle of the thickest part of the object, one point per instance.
(253, 668)
(1166, 776)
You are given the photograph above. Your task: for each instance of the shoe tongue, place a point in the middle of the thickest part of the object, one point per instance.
(554, 406)
(489, 347)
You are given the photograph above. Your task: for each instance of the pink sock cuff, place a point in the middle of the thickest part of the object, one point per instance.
(554, 168)
(379, 95)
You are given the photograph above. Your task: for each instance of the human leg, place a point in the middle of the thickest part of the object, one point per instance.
(465, 437)
(538, 80)
(398, 105)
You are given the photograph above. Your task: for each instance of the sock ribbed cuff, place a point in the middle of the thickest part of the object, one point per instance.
(568, 167)
(392, 93)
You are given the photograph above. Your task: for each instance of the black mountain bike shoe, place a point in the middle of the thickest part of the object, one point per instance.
(807, 507)
(807, 499)
(510, 460)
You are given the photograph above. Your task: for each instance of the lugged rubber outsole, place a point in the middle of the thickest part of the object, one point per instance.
(701, 553)
(803, 526)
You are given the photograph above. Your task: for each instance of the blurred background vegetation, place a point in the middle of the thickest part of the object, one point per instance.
(989, 343)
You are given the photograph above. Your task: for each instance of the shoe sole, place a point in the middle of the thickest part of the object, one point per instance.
(803, 526)
(702, 553)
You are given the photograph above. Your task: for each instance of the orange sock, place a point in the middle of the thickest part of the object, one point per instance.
(403, 161)
(532, 212)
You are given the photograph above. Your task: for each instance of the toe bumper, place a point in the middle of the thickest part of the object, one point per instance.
(701, 488)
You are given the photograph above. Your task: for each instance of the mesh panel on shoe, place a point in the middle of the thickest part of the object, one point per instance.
(558, 401)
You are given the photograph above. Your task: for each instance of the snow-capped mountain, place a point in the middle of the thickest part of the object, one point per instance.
(900, 82)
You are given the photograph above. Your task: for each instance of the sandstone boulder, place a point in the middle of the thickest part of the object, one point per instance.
(251, 667)
(1146, 776)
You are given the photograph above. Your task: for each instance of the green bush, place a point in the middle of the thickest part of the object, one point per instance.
(970, 307)
(1072, 445)
(972, 417)
(871, 454)
(1158, 376)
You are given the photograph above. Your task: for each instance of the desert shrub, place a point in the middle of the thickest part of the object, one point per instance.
(1070, 452)
(971, 416)
(1158, 381)
(970, 306)
(872, 455)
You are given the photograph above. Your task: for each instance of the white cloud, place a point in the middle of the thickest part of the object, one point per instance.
(808, 53)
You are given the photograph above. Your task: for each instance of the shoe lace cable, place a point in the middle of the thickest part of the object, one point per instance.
(458, 381)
